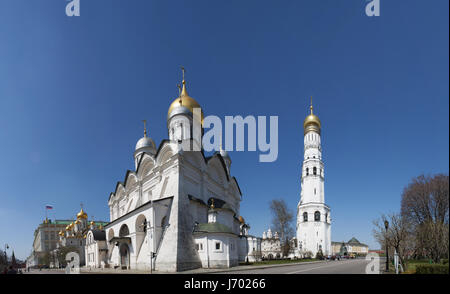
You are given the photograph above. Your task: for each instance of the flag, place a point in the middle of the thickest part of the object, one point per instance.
(48, 207)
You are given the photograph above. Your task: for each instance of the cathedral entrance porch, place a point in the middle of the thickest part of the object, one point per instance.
(124, 256)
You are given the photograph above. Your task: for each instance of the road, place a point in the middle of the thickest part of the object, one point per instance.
(352, 266)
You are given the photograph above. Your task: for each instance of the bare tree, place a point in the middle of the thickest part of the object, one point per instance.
(398, 236)
(425, 204)
(282, 218)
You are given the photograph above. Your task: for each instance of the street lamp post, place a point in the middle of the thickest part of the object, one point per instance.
(386, 225)
(6, 256)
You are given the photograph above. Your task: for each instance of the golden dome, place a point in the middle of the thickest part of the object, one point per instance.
(312, 122)
(241, 220)
(77, 222)
(184, 104)
(92, 223)
(82, 214)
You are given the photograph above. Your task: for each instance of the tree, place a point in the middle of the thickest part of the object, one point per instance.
(398, 236)
(13, 260)
(425, 204)
(62, 252)
(282, 218)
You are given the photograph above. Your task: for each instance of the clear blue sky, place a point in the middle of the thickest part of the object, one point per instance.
(73, 92)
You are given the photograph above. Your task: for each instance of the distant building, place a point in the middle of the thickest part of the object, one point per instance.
(353, 246)
(45, 240)
(74, 234)
(50, 236)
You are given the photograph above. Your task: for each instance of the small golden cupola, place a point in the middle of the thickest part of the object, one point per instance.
(82, 214)
(312, 122)
(183, 104)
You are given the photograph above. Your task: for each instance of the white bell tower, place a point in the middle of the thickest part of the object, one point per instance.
(313, 215)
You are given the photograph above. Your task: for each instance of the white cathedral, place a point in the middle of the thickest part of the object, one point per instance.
(313, 215)
(178, 210)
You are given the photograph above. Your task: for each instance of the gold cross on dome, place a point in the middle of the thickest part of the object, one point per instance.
(145, 127)
(183, 70)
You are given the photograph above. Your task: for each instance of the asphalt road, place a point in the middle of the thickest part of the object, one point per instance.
(352, 266)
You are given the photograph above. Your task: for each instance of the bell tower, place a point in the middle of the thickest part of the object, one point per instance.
(313, 215)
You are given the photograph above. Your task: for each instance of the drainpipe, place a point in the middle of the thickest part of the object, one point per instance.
(207, 250)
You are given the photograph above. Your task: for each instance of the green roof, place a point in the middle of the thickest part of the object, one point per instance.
(212, 228)
(67, 222)
(353, 240)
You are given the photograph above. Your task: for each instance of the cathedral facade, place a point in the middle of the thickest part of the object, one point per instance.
(179, 209)
(313, 215)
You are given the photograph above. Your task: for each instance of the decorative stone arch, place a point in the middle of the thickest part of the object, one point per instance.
(146, 166)
(141, 224)
(164, 155)
(131, 181)
(120, 192)
(124, 231)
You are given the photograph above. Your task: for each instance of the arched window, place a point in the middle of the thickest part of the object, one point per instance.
(141, 224)
(123, 232)
(307, 171)
(317, 216)
(314, 170)
(305, 216)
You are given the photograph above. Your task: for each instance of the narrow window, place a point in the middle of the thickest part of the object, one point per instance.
(314, 170)
(307, 171)
(305, 216)
(314, 191)
(217, 245)
(317, 216)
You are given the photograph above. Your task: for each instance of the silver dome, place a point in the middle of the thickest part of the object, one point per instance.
(145, 142)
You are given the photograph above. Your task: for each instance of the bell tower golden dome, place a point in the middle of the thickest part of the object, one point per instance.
(312, 122)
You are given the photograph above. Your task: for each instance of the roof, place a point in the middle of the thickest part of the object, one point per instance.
(354, 241)
(212, 228)
(218, 203)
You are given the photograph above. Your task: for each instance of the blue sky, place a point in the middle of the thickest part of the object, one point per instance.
(73, 92)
